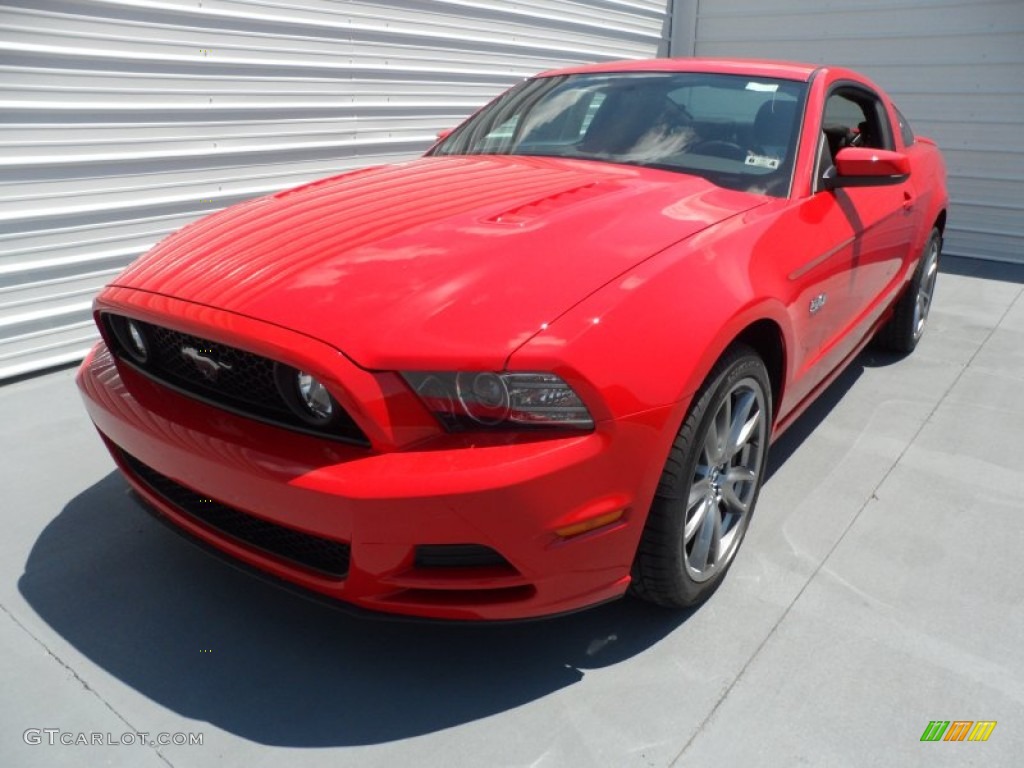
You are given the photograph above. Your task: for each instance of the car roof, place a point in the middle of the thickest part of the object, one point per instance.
(786, 70)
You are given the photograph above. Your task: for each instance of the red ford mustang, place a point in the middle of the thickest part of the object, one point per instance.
(541, 365)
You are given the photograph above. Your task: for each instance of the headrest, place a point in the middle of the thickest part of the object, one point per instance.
(773, 125)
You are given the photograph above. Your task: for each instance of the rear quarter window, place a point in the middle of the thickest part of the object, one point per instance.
(905, 130)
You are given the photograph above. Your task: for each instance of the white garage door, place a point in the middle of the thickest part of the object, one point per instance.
(122, 120)
(954, 67)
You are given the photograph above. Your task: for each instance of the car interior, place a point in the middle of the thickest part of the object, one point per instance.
(853, 118)
(637, 123)
(738, 133)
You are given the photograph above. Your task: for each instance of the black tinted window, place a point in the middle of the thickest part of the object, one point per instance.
(905, 130)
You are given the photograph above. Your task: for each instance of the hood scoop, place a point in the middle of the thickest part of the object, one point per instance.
(535, 209)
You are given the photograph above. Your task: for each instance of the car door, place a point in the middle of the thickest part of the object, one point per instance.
(844, 247)
(871, 228)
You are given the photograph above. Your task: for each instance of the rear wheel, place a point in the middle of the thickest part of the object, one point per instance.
(906, 326)
(709, 485)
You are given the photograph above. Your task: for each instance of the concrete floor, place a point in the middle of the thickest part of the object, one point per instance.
(879, 588)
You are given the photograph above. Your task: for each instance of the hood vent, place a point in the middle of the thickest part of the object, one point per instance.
(523, 214)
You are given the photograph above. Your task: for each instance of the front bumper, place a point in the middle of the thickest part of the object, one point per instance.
(510, 495)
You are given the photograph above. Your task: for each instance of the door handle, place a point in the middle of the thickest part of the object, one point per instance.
(908, 201)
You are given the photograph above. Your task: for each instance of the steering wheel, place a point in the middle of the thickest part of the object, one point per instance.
(719, 148)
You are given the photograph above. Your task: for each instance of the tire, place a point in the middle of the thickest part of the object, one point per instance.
(709, 486)
(906, 327)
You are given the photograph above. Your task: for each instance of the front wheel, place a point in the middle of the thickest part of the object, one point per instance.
(709, 485)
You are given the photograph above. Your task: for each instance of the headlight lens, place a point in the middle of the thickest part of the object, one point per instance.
(130, 337)
(475, 400)
(306, 396)
(314, 396)
(138, 341)
(483, 396)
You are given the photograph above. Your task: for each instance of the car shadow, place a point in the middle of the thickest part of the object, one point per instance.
(211, 643)
(872, 356)
(790, 440)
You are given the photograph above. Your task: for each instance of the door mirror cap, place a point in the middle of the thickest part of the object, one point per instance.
(867, 167)
(442, 135)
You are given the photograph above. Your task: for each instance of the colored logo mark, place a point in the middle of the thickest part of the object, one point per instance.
(958, 730)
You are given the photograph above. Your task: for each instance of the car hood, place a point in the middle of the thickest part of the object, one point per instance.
(444, 260)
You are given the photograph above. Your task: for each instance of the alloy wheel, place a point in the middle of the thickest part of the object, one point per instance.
(926, 287)
(725, 480)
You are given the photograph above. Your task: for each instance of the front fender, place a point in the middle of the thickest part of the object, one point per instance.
(650, 337)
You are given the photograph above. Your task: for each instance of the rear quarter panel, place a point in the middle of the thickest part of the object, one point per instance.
(928, 180)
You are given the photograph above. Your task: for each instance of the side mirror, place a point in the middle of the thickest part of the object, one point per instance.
(866, 167)
(442, 135)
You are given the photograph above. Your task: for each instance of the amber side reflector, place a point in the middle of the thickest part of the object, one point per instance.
(588, 525)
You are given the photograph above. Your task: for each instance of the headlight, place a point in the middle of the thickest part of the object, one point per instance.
(138, 340)
(131, 337)
(475, 400)
(314, 396)
(483, 396)
(306, 395)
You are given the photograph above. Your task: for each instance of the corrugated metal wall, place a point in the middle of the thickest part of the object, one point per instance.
(954, 67)
(121, 121)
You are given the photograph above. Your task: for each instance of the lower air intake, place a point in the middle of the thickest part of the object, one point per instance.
(458, 556)
(325, 556)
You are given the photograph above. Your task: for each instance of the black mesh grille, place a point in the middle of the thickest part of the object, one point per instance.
(243, 379)
(324, 555)
(239, 381)
(457, 556)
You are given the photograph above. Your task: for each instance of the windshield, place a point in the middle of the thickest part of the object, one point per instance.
(738, 132)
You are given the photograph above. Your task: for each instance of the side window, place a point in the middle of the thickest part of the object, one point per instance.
(905, 131)
(854, 117)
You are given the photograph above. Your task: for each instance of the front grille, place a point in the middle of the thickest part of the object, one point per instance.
(245, 379)
(242, 382)
(326, 556)
(458, 556)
